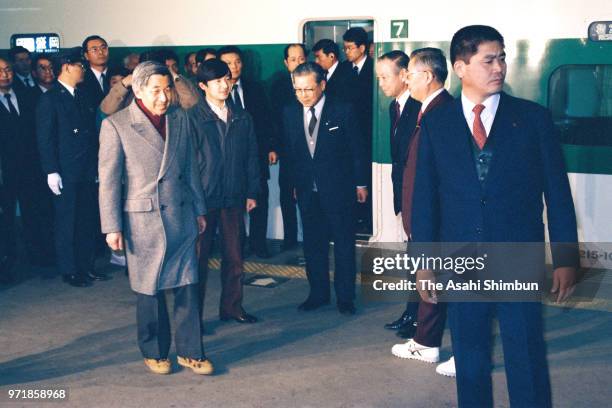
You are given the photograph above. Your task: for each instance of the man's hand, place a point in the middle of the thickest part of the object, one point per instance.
(54, 180)
(425, 278)
(127, 81)
(115, 241)
(564, 283)
(362, 194)
(250, 204)
(272, 158)
(201, 224)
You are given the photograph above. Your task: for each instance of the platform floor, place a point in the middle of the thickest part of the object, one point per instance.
(84, 339)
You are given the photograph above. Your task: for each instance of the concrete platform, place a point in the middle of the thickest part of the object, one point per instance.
(84, 339)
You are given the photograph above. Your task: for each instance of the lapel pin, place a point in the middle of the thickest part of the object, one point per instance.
(75, 131)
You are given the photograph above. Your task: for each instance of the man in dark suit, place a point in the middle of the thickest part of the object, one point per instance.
(282, 94)
(425, 76)
(68, 145)
(251, 96)
(42, 71)
(21, 61)
(327, 169)
(484, 163)
(338, 80)
(96, 82)
(403, 111)
(22, 174)
(360, 68)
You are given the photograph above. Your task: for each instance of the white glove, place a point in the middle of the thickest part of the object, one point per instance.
(55, 183)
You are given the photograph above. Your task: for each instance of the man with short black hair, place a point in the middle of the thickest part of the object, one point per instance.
(68, 146)
(171, 60)
(251, 96)
(42, 71)
(190, 65)
(96, 82)
(360, 68)
(487, 163)
(282, 94)
(204, 55)
(227, 156)
(326, 167)
(21, 60)
(327, 55)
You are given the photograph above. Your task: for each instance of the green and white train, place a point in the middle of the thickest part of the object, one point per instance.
(559, 54)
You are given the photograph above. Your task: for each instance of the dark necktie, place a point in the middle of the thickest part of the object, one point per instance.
(103, 78)
(419, 117)
(12, 108)
(313, 121)
(479, 132)
(396, 117)
(28, 83)
(236, 97)
(356, 70)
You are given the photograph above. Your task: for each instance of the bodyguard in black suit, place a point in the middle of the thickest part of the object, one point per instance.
(42, 71)
(337, 75)
(21, 60)
(360, 69)
(21, 172)
(327, 169)
(403, 112)
(282, 94)
(96, 82)
(251, 96)
(68, 144)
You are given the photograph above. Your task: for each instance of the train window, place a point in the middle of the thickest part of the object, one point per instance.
(333, 30)
(580, 98)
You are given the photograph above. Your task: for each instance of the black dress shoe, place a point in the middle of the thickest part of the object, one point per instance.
(244, 317)
(97, 276)
(76, 280)
(405, 319)
(312, 304)
(407, 331)
(346, 308)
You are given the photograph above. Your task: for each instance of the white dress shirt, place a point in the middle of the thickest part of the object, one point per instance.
(487, 115)
(98, 75)
(360, 63)
(402, 99)
(331, 71)
(430, 98)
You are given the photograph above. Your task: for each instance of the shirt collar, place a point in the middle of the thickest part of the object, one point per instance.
(331, 70)
(430, 98)
(23, 78)
(42, 88)
(360, 64)
(318, 107)
(68, 87)
(97, 73)
(490, 104)
(402, 99)
(221, 112)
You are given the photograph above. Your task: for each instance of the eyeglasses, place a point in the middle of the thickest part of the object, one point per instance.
(304, 91)
(98, 49)
(45, 67)
(6, 70)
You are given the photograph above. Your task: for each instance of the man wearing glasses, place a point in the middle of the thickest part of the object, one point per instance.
(326, 168)
(96, 82)
(68, 146)
(42, 71)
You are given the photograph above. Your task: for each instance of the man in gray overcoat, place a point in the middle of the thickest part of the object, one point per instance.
(152, 205)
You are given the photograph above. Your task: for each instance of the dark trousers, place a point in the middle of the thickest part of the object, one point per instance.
(288, 206)
(431, 320)
(258, 219)
(75, 223)
(524, 353)
(320, 227)
(229, 221)
(36, 220)
(154, 337)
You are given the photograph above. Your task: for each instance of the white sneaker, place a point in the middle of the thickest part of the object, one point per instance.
(447, 368)
(412, 349)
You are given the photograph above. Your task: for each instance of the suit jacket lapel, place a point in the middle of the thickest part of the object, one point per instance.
(462, 143)
(501, 134)
(143, 126)
(326, 114)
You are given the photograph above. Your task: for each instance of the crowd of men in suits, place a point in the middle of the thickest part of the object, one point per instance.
(182, 156)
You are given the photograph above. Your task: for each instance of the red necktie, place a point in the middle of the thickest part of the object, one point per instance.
(419, 117)
(479, 132)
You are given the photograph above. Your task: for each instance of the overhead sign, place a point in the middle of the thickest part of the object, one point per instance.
(38, 42)
(399, 29)
(600, 31)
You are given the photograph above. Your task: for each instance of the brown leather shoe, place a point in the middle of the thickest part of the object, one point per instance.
(202, 367)
(161, 366)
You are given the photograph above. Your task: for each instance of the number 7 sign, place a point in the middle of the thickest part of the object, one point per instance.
(399, 29)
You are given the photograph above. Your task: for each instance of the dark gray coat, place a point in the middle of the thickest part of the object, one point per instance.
(227, 156)
(150, 191)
